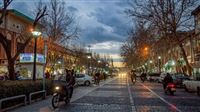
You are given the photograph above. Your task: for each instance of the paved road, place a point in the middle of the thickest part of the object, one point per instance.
(120, 95)
(150, 97)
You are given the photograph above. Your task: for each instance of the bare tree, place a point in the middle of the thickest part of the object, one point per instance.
(168, 16)
(60, 24)
(135, 50)
(27, 37)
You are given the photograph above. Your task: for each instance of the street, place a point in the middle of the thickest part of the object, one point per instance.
(119, 94)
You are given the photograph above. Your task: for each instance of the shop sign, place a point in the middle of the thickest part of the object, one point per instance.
(29, 57)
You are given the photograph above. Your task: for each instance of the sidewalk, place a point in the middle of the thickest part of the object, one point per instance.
(45, 105)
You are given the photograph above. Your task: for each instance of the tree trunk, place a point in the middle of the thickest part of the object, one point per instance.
(11, 69)
(189, 68)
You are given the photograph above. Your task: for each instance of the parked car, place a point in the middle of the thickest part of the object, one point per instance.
(83, 79)
(153, 77)
(178, 78)
(192, 85)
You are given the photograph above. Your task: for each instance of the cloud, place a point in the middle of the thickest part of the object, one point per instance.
(72, 9)
(102, 20)
(108, 47)
(103, 23)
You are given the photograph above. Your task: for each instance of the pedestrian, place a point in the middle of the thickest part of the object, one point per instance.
(104, 76)
(97, 76)
(47, 75)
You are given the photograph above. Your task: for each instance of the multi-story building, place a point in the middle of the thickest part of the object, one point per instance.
(196, 41)
(14, 25)
(17, 24)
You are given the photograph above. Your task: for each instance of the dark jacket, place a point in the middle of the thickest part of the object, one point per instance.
(167, 79)
(71, 81)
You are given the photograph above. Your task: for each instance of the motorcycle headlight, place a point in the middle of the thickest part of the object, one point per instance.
(57, 88)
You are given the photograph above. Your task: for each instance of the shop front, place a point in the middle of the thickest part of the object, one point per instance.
(25, 65)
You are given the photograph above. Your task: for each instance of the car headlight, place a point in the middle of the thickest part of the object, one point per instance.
(57, 88)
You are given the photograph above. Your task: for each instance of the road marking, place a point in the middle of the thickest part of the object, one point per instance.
(170, 104)
(131, 98)
(91, 90)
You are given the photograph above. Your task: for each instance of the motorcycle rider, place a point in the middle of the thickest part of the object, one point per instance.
(167, 79)
(70, 82)
(133, 76)
(143, 76)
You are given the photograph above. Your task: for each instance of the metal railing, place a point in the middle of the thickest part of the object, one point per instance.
(37, 92)
(11, 98)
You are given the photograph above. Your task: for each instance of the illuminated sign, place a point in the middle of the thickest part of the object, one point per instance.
(29, 57)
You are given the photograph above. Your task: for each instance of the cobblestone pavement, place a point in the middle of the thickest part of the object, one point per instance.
(120, 95)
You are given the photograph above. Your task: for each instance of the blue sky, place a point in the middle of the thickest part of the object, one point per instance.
(103, 23)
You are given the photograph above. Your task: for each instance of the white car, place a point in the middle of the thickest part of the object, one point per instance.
(153, 77)
(83, 79)
(192, 85)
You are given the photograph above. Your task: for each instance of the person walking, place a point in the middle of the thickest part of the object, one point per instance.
(97, 77)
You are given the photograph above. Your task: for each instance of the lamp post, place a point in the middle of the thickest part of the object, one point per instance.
(159, 63)
(36, 34)
(89, 57)
(45, 60)
(150, 65)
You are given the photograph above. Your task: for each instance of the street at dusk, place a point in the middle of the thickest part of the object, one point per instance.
(99, 55)
(120, 94)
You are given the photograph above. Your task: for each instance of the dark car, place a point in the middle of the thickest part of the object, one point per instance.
(178, 78)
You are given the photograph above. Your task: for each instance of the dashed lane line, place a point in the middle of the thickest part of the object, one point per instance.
(131, 98)
(170, 104)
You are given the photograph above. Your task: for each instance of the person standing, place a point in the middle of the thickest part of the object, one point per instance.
(97, 77)
(47, 75)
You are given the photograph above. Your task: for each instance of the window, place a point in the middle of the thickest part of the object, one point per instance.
(79, 75)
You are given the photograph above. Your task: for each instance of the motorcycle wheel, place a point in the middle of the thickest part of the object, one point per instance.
(172, 93)
(55, 101)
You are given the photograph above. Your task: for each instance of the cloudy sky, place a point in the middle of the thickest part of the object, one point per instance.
(103, 23)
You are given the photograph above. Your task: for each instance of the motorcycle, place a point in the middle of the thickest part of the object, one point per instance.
(60, 94)
(171, 88)
(143, 79)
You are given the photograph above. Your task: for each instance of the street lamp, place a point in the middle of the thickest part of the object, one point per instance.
(146, 48)
(36, 34)
(99, 61)
(159, 63)
(89, 57)
(45, 60)
(59, 62)
(173, 63)
(150, 65)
